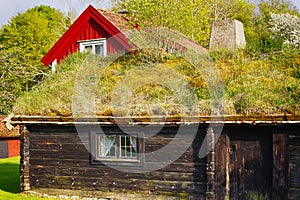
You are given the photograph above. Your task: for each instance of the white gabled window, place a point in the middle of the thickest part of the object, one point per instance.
(97, 46)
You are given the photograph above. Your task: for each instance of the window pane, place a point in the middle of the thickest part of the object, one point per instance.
(88, 49)
(128, 147)
(99, 49)
(107, 146)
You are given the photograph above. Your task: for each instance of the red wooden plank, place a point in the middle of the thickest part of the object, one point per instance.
(13, 148)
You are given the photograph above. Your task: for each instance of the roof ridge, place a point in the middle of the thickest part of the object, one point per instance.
(118, 23)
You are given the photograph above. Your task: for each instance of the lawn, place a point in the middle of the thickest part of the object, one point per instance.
(10, 180)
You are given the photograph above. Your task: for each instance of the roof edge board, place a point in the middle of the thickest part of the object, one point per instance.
(278, 119)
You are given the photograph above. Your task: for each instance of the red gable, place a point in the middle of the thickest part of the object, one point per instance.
(91, 24)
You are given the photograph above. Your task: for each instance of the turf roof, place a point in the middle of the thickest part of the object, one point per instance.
(253, 86)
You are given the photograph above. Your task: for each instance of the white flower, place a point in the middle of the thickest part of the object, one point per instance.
(286, 27)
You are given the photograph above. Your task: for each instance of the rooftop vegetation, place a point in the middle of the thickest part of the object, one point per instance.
(254, 85)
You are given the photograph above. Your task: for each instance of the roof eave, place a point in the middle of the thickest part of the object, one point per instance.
(157, 120)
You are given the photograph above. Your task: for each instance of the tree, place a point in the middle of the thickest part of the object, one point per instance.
(262, 40)
(286, 27)
(266, 7)
(191, 17)
(23, 42)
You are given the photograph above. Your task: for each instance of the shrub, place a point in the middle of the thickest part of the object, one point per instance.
(286, 27)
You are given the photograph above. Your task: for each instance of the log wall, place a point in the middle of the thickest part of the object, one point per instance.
(294, 163)
(58, 159)
(249, 161)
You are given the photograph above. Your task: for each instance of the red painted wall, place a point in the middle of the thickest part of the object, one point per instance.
(13, 148)
(91, 30)
(90, 25)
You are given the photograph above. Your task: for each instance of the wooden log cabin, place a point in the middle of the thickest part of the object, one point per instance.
(254, 157)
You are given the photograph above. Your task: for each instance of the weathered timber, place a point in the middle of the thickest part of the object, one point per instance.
(280, 165)
(25, 159)
(249, 160)
(3, 149)
(61, 160)
(294, 163)
(222, 149)
(211, 165)
(108, 120)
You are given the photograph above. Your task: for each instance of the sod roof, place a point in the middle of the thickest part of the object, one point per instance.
(5, 133)
(253, 86)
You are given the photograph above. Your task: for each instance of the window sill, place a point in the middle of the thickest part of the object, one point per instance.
(124, 162)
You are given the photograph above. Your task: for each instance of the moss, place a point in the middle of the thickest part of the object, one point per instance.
(253, 86)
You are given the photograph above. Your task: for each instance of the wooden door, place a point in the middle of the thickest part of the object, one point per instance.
(250, 165)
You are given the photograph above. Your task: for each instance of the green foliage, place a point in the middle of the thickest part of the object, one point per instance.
(23, 42)
(261, 40)
(193, 18)
(256, 196)
(266, 7)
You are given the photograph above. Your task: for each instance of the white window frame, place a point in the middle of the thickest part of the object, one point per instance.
(93, 43)
(117, 147)
(118, 156)
(53, 66)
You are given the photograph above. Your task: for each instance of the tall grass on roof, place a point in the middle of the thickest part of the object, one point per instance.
(254, 85)
(56, 95)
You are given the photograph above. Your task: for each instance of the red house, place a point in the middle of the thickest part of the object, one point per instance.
(9, 141)
(90, 33)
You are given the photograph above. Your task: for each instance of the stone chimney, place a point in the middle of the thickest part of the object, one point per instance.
(227, 34)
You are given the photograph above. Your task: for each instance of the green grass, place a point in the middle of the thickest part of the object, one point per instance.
(10, 180)
(254, 85)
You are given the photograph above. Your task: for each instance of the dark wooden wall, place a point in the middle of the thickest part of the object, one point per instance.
(58, 159)
(294, 163)
(251, 162)
(244, 163)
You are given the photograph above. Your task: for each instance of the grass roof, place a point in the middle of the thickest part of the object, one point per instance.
(5, 133)
(254, 85)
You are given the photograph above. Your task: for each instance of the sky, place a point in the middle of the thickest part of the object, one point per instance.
(10, 8)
